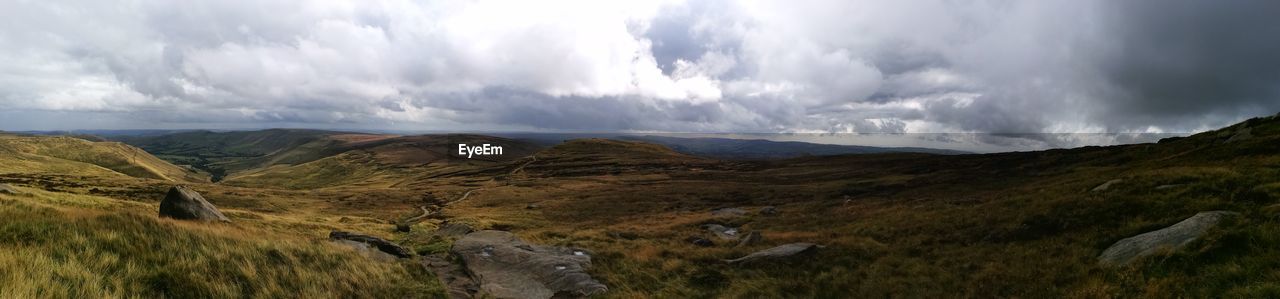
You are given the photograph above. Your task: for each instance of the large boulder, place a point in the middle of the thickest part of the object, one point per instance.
(778, 252)
(507, 267)
(186, 204)
(376, 242)
(1170, 238)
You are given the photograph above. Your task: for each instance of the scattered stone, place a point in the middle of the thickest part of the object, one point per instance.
(751, 238)
(507, 267)
(1173, 237)
(1171, 186)
(721, 231)
(532, 206)
(381, 244)
(6, 189)
(700, 241)
(1106, 185)
(185, 204)
(769, 211)
(777, 252)
(453, 229)
(728, 212)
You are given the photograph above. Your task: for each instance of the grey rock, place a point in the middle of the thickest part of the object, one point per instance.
(1107, 185)
(186, 204)
(769, 211)
(728, 212)
(778, 252)
(6, 189)
(749, 239)
(1170, 238)
(376, 242)
(532, 206)
(363, 248)
(726, 233)
(507, 267)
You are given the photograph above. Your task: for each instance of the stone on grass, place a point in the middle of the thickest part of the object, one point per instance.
(769, 211)
(751, 238)
(376, 242)
(726, 233)
(453, 229)
(700, 241)
(1107, 185)
(1173, 237)
(778, 252)
(185, 204)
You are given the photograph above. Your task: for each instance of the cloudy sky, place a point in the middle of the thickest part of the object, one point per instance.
(1046, 66)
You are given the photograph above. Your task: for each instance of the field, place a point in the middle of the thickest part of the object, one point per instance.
(893, 225)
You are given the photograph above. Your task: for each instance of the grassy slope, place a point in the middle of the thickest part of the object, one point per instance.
(74, 155)
(69, 245)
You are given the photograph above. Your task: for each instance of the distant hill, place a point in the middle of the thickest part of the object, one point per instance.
(728, 148)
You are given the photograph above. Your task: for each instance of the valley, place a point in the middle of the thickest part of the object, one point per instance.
(1022, 224)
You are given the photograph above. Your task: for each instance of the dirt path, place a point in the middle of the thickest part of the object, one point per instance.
(531, 160)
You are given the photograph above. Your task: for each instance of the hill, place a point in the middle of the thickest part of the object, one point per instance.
(225, 153)
(59, 154)
(726, 148)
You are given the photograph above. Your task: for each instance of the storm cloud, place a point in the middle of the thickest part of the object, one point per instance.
(919, 66)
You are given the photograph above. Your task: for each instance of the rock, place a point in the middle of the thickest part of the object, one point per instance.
(1163, 187)
(1106, 185)
(186, 204)
(728, 212)
(777, 252)
(749, 239)
(1173, 237)
(532, 206)
(721, 231)
(453, 230)
(455, 279)
(6, 189)
(364, 248)
(507, 267)
(769, 211)
(403, 227)
(700, 241)
(381, 244)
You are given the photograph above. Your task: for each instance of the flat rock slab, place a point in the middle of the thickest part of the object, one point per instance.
(1172, 238)
(376, 242)
(186, 204)
(507, 267)
(782, 251)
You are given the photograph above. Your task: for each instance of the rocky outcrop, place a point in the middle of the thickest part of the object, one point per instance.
(1170, 238)
(507, 267)
(376, 242)
(1106, 186)
(186, 204)
(779, 252)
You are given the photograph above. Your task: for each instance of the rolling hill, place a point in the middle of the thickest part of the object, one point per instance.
(60, 154)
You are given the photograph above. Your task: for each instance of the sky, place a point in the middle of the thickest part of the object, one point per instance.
(844, 66)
